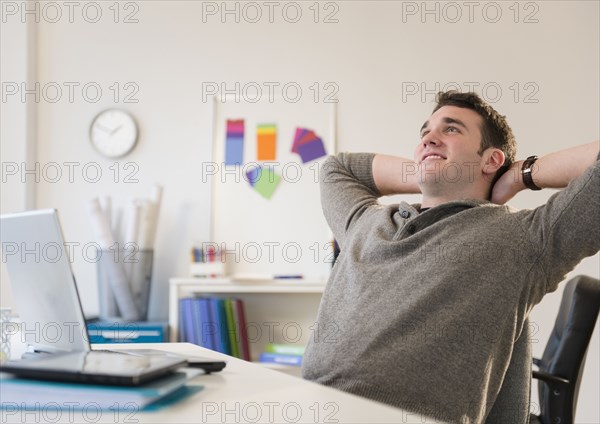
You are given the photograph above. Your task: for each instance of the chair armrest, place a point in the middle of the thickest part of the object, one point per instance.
(549, 378)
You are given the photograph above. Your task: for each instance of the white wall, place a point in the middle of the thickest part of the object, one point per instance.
(18, 44)
(547, 72)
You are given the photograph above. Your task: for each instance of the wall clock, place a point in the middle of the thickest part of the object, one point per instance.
(113, 133)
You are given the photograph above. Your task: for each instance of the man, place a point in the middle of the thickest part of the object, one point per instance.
(426, 308)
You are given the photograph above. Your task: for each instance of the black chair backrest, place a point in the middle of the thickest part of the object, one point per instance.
(565, 351)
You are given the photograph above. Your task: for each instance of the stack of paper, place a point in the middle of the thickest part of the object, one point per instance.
(266, 142)
(284, 354)
(234, 142)
(308, 145)
(21, 393)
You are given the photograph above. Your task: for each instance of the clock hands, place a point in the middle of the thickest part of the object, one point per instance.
(116, 129)
(109, 131)
(103, 128)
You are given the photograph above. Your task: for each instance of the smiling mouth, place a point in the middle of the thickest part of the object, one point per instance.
(433, 157)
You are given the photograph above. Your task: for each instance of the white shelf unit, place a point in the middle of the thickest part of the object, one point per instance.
(277, 311)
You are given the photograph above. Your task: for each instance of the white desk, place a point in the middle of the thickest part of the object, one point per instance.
(242, 392)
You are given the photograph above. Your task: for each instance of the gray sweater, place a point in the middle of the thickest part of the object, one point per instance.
(428, 311)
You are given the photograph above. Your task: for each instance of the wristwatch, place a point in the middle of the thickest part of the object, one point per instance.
(526, 171)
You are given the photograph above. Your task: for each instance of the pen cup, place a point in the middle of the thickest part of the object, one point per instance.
(207, 269)
(135, 267)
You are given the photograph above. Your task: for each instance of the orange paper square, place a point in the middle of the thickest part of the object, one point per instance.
(266, 146)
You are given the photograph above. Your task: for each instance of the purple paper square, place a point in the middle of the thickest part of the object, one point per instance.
(311, 150)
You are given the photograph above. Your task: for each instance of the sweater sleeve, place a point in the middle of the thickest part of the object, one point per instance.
(347, 190)
(566, 229)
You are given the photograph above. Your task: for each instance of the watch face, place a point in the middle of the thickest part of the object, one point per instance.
(113, 133)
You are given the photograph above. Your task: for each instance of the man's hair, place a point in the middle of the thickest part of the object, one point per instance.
(495, 131)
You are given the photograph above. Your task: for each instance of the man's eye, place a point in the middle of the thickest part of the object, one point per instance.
(452, 129)
(424, 133)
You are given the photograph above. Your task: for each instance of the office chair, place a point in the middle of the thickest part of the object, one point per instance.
(562, 364)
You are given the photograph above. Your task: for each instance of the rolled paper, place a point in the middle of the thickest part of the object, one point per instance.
(107, 208)
(108, 303)
(113, 268)
(131, 223)
(156, 199)
(146, 224)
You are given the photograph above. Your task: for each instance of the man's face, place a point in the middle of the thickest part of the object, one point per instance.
(450, 140)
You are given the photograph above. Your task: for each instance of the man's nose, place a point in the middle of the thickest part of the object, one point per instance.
(430, 139)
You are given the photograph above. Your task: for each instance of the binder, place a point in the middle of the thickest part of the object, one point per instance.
(244, 345)
(231, 328)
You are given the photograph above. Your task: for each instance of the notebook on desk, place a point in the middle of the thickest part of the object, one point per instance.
(53, 324)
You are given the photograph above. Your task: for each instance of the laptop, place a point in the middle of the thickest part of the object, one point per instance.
(53, 323)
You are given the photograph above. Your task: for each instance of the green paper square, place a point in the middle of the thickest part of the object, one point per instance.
(267, 183)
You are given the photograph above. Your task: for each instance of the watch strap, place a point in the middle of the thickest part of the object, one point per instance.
(526, 171)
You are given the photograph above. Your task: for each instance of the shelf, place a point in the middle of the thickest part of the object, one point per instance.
(226, 285)
(271, 304)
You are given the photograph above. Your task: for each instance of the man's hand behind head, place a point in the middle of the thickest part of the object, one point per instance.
(508, 185)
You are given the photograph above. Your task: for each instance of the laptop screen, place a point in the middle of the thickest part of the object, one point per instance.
(42, 282)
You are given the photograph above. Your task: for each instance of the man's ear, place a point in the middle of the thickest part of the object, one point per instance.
(494, 160)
